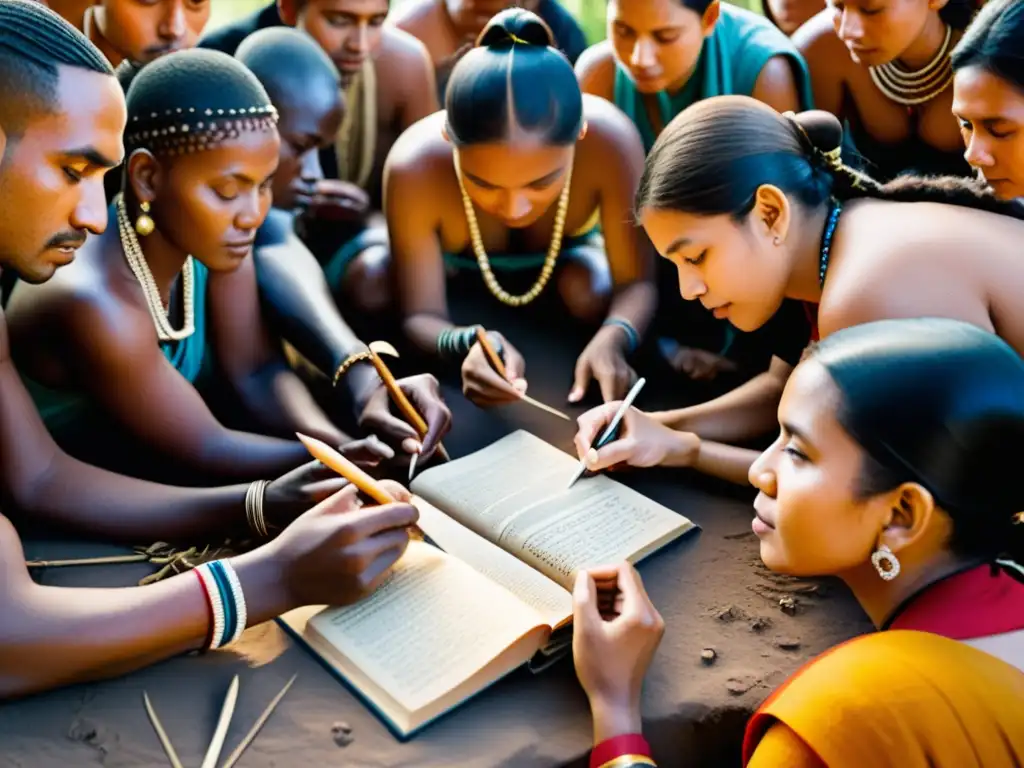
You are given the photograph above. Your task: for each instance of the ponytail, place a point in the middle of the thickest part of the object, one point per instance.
(712, 158)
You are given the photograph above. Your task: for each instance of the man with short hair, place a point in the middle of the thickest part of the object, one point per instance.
(139, 32)
(62, 114)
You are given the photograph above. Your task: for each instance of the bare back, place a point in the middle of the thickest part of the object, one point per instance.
(894, 260)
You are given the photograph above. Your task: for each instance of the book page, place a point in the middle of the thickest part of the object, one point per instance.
(430, 627)
(533, 588)
(514, 493)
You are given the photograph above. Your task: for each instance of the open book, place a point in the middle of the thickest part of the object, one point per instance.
(495, 591)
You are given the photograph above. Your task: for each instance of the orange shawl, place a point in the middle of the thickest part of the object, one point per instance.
(901, 699)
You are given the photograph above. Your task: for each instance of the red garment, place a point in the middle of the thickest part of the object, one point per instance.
(812, 318)
(627, 744)
(979, 602)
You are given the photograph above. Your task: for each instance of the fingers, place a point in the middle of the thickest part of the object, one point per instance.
(591, 424)
(380, 568)
(345, 500)
(424, 393)
(515, 367)
(584, 602)
(636, 603)
(369, 521)
(482, 384)
(398, 492)
(581, 378)
(324, 489)
(616, 452)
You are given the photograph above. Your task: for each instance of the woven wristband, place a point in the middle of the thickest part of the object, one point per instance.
(225, 600)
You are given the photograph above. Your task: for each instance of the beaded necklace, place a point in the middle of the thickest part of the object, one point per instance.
(137, 263)
(481, 254)
(835, 208)
(913, 87)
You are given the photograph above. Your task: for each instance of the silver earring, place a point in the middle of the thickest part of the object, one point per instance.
(885, 563)
(777, 241)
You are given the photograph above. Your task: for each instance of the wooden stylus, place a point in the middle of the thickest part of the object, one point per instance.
(398, 396)
(329, 457)
(499, 365)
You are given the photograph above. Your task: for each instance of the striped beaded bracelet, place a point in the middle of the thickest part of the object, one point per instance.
(225, 600)
(632, 337)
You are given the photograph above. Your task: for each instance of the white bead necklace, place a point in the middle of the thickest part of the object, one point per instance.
(913, 87)
(137, 262)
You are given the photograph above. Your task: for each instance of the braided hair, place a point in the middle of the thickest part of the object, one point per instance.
(192, 101)
(34, 43)
(712, 158)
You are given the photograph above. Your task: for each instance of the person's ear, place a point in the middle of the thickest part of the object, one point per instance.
(145, 176)
(912, 517)
(288, 10)
(772, 213)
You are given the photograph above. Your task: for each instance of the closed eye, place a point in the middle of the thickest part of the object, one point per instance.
(699, 259)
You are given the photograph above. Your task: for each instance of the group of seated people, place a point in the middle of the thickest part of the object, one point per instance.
(845, 205)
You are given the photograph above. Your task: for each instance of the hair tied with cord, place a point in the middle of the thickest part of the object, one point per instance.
(832, 160)
(517, 39)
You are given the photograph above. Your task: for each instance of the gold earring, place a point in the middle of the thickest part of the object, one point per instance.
(144, 225)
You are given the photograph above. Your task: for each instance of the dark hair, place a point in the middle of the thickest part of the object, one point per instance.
(713, 156)
(938, 402)
(514, 78)
(34, 43)
(193, 100)
(958, 13)
(995, 42)
(286, 60)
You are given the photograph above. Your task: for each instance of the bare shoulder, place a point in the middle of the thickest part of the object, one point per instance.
(610, 135)
(421, 146)
(595, 69)
(412, 15)
(817, 40)
(399, 48)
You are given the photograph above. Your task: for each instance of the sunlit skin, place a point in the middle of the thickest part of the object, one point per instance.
(788, 15)
(658, 41)
(876, 32)
(51, 188)
(808, 516)
(348, 30)
(991, 115)
(515, 182)
(471, 16)
(143, 30)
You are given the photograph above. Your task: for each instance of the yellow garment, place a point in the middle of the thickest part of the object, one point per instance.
(591, 224)
(897, 699)
(356, 144)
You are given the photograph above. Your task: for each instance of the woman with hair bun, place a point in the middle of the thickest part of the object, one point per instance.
(988, 95)
(884, 69)
(122, 349)
(509, 185)
(896, 470)
(753, 207)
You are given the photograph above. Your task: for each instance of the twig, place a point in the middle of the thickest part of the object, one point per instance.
(217, 742)
(260, 722)
(161, 733)
(139, 558)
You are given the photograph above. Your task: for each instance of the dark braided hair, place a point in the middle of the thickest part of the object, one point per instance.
(937, 402)
(34, 43)
(711, 159)
(194, 100)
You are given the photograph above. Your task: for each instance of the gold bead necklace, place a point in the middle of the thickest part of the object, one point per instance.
(137, 262)
(481, 255)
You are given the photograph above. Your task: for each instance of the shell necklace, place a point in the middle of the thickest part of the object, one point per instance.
(910, 87)
(481, 254)
(137, 262)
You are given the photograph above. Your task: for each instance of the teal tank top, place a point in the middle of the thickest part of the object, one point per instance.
(69, 413)
(729, 64)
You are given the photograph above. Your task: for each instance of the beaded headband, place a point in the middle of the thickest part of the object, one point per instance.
(192, 129)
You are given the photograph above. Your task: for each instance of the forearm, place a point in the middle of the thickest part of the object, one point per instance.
(54, 636)
(725, 461)
(423, 330)
(635, 303)
(745, 413)
(76, 497)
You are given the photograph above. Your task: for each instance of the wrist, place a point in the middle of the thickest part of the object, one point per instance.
(628, 336)
(684, 450)
(263, 583)
(615, 717)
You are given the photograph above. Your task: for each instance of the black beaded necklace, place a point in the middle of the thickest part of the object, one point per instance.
(834, 209)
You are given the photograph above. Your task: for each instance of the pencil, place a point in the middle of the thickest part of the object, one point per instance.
(329, 457)
(496, 362)
(400, 399)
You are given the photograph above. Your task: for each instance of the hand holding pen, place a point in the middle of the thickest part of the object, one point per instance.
(487, 385)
